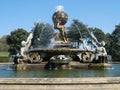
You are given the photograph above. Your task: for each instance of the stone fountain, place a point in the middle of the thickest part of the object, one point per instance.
(63, 55)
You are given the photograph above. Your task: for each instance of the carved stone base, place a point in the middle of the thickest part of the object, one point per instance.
(61, 59)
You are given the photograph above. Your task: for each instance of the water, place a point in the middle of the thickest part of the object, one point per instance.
(73, 73)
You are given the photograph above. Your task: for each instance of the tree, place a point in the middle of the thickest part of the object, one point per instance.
(99, 34)
(108, 43)
(77, 30)
(3, 44)
(116, 34)
(14, 40)
(42, 35)
(114, 48)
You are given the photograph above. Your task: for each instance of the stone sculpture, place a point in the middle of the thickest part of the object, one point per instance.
(63, 54)
(59, 19)
(25, 45)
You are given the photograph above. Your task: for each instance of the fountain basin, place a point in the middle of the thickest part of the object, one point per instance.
(59, 50)
(62, 58)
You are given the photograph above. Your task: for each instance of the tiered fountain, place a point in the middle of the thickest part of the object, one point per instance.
(63, 55)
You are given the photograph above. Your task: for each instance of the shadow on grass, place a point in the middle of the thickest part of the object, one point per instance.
(4, 59)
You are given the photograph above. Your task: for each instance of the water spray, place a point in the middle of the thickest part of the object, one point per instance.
(59, 8)
(78, 30)
(41, 33)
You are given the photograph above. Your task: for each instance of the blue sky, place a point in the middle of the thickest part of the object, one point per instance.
(14, 14)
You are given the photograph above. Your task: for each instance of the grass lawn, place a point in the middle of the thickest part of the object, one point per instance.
(4, 54)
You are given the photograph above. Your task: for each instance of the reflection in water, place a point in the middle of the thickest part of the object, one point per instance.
(73, 73)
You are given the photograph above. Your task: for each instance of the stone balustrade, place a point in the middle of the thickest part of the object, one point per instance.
(107, 83)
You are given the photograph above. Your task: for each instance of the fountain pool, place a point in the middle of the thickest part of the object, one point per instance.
(6, 72)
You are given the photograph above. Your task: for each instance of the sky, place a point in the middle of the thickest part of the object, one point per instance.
(14, 14)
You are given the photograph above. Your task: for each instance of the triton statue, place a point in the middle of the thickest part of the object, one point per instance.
(26, 44)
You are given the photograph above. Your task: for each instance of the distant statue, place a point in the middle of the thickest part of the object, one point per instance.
(85, 46)
(101, 51)
(93, 37)
(26, 44)
(102, 48)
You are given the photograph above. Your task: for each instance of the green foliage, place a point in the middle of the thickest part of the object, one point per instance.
(99, 34)
(116, 34)
(114, 47)
(77, 30)
(14, 40)
(3, 44)
(42, 35)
